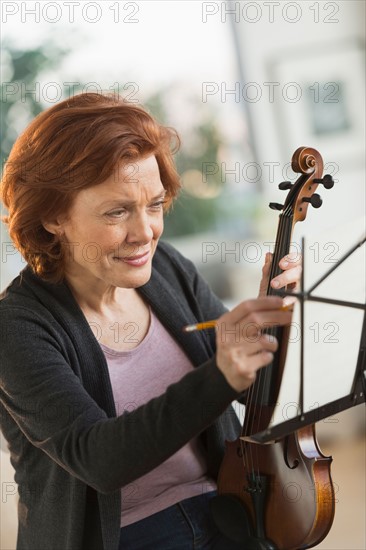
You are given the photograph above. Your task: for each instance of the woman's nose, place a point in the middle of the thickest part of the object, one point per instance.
(140, 229)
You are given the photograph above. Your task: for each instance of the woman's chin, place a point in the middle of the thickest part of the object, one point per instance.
(133, 280)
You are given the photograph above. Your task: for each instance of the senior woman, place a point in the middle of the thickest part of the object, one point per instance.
(115, 419)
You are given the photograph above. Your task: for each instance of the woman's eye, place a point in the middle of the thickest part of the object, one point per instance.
(158, 205)
(116, 213)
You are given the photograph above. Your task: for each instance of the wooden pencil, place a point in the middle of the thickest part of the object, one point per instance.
(212, 323)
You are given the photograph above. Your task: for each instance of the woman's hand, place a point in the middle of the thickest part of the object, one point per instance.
(241, 348)
(290, 277)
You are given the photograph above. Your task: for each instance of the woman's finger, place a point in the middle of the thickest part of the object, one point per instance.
(246, 308)
(250, 329)
(289, 276)
(260, 360)
(249, 347)
(292, 259)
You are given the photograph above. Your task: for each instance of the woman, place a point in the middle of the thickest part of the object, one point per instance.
(115, 437)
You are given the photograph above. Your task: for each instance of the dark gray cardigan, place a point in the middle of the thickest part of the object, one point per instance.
(70, 452)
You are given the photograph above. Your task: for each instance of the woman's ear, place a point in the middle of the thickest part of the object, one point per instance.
(50, 227)
(55, 227)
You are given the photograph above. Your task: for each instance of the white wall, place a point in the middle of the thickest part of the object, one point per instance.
(323, 44)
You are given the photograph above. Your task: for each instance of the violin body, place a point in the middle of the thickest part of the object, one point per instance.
(298, 492)
(278, 496)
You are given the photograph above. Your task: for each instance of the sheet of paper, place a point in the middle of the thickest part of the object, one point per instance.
(331, 333)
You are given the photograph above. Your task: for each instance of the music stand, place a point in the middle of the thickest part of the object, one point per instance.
(357, 393)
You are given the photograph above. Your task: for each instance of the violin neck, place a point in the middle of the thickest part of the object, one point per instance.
(282, 246)
(265, 390)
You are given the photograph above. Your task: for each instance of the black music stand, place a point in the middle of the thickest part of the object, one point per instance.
(358, 389)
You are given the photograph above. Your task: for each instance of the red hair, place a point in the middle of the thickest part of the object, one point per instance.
(76, 144)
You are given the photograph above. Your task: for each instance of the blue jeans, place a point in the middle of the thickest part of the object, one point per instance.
(187, 525)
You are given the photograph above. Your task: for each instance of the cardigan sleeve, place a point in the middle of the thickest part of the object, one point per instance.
(46, 399)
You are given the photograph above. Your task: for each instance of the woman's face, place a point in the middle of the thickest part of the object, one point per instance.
(113, 228)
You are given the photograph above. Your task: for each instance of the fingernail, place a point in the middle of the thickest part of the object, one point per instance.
(276, 284)
(285, 264)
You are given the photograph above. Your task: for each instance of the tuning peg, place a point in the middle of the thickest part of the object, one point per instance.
(285, 185)
(276, 206)
(315, 200)
(327, 181)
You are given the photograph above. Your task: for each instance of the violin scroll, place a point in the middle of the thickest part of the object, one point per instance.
(309, 163)
(306, 160)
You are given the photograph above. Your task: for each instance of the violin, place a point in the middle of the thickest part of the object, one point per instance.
(278, 495)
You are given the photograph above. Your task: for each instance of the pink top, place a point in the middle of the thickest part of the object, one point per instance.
(137, 376)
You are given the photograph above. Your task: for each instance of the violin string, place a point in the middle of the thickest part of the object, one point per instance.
(281, 248)
(266, 374)
(278, 252)
(249, 418)
(253, 397)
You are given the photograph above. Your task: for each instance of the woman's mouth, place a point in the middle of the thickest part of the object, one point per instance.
(137, 261)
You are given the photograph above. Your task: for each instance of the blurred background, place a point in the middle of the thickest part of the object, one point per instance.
(245, 84)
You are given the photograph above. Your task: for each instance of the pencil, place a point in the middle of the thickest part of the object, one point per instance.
(199, 326)
(212, 324)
